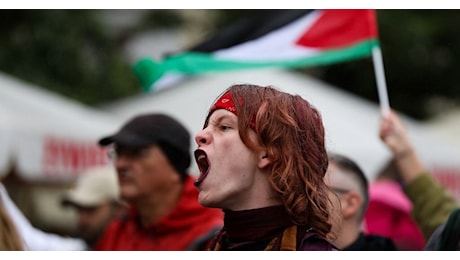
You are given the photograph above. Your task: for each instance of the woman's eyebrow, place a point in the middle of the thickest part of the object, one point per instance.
(221, 117)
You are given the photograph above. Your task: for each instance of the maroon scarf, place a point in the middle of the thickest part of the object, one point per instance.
(252, 229)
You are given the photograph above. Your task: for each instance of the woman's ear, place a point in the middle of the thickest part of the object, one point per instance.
(264, 161)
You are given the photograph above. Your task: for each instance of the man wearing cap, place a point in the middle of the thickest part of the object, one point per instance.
(96, 198)
(151, 153)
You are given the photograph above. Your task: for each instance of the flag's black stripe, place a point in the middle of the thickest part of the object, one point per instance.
(249, 28)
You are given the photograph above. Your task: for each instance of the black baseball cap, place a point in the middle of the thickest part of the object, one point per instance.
(156, 128)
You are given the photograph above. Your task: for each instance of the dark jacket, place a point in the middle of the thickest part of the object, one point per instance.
(447, 236)
(371, 243)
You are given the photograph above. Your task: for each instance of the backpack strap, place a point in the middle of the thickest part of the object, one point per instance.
(289, 239)
(450, 235)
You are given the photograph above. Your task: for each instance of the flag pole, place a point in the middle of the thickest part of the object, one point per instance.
(381, 83)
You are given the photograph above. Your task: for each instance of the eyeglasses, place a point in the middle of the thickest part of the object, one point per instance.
(116, 151)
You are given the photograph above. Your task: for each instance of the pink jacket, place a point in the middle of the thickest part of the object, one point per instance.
(389, 215)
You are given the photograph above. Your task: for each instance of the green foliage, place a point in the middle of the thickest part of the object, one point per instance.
(161, 19)
(67, 51)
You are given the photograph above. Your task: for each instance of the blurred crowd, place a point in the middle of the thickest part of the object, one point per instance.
(148, 200)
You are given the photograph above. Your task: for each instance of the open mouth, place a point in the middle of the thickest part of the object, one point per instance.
(203, 165)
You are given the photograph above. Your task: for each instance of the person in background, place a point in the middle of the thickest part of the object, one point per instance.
(262, 159)
(96, 199)
(432, 202)
(34, 239)
(350, 184)
(389, 211)
(151, 153)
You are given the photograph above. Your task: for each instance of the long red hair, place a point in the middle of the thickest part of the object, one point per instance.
(291, 131)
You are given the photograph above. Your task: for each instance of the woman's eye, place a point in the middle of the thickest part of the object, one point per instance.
(224, 127)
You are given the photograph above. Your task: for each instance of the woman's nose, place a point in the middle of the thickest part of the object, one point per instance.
(202, 137)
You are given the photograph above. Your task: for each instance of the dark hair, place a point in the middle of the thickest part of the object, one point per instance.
(351, 168)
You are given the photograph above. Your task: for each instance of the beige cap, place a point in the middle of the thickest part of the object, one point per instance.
(94, 187)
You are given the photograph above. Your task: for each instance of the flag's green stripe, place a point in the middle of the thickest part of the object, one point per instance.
(199, 63)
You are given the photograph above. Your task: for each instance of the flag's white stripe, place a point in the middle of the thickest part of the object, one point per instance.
(275, 46)
(167, 81)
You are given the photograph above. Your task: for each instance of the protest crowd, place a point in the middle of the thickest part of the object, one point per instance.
(258, 175)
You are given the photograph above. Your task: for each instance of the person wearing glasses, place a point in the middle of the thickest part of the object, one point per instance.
(151, 154)
(350, 191)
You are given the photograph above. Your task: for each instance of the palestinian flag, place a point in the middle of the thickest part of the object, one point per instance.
(273, 38)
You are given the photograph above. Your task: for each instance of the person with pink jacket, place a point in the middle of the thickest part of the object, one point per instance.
(389, 211)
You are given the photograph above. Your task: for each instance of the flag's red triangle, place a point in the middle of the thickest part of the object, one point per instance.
(340, 28)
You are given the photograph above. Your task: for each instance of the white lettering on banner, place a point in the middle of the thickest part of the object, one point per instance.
(63, 157)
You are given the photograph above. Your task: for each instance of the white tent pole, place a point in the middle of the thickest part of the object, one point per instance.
(381, 83)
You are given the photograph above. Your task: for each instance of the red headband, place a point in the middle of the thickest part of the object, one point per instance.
(226, 102)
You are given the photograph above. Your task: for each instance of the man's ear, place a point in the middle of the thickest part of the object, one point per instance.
(351, 204)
